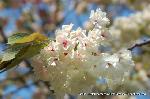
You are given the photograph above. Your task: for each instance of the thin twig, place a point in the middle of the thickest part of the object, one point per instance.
(3, 35)
(146, 42)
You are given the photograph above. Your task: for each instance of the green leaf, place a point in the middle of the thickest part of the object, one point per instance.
(25, 38)
(29, 50)
(8, 56)
(5, 65)
(11, 52)
(22, 46)
(12, 39)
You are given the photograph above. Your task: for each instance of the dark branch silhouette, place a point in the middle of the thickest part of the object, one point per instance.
(145, 42)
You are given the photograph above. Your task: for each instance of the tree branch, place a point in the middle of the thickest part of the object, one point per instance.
(145, 42)
(3, 35)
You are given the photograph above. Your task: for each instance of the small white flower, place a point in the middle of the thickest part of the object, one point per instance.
(67, 28)
(110, 60)
(99, 18)
(125, 54)
(65, 31)
(53, 63)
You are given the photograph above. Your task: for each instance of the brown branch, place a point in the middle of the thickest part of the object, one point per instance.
(145, 42)
(3, 35)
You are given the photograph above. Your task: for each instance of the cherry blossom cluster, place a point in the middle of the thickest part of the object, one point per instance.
(136, 24)
(74, 61)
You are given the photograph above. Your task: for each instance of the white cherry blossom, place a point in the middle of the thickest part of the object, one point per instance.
(74, 61)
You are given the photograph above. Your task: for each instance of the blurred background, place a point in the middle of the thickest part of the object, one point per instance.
(45, 16)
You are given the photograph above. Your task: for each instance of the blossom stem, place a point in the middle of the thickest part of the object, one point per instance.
(139, 44)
